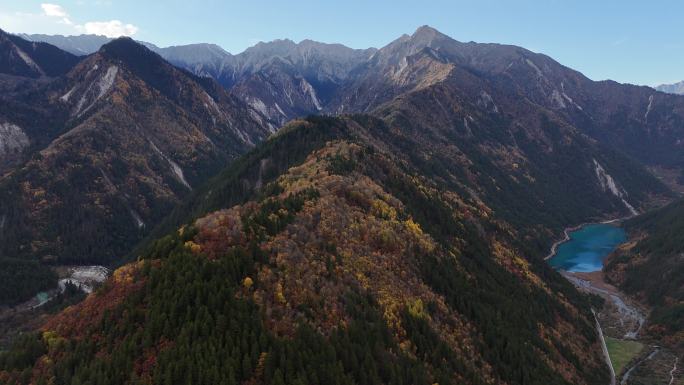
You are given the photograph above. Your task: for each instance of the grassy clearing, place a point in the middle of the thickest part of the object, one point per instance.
(622, 351)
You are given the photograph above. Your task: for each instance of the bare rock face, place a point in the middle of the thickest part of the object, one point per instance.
(12, 139)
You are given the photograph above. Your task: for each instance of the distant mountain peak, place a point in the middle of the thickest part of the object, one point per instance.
(408, 45)
(143, 63)
(121, 42)
(210, 46)
(675, 88)
(75, 44)
(427, 35)
(311, 42)
(275, 43)
(426, 30)
(129, 51)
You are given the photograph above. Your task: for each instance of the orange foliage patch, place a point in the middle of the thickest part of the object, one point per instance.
(75, 320)
(221, 230)
(351, 236)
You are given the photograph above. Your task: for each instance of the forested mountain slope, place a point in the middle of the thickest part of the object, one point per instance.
(353, 265)
(108, 149)
(651, 268)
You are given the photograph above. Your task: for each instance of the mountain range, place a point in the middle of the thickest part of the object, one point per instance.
(400, 239)
(284, 80)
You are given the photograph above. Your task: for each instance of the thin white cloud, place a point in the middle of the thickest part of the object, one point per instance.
(54, 10)
(54, 19)
(20, 22)
(620, 41)
(112, 28)
(98, 3)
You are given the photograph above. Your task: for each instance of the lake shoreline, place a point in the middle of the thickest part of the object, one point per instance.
(568, 230)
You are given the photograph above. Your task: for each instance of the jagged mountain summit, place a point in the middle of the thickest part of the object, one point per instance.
(286, 80)
(282, 79)
(676, 88)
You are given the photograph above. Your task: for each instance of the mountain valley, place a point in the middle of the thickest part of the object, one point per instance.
(310, 213)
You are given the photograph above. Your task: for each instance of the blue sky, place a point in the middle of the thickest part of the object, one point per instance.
(640, 42)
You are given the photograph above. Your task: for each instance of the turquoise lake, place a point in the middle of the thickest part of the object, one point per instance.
(587, 248)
